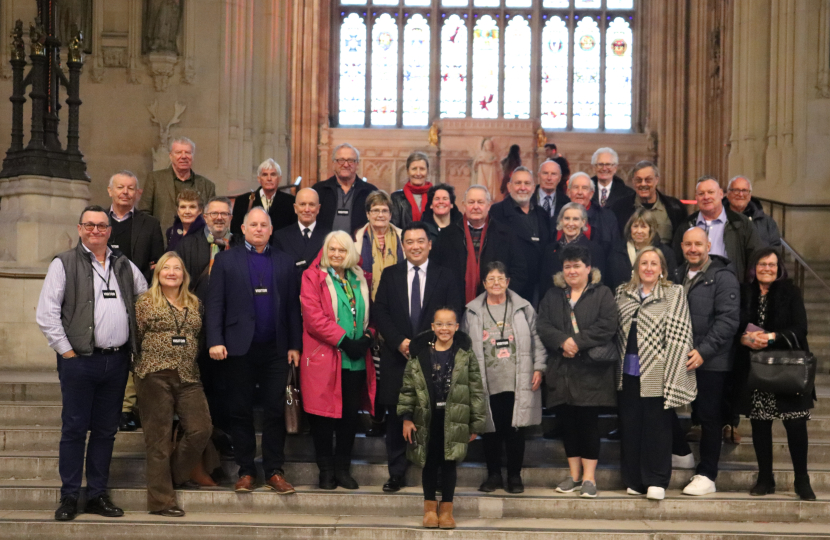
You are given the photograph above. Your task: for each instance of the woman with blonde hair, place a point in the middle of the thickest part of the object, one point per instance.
(169, 322)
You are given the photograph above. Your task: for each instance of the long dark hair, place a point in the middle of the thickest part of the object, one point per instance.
(763, 253)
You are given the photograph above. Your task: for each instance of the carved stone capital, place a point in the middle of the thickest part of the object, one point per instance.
(162, 66)
(189, 70)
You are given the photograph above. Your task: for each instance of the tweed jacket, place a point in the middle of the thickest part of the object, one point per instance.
(664, 339)
(159, 194)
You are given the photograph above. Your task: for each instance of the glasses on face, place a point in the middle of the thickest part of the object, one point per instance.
(89, 227)
(739, 191)
(444, 324)
(214, 215)
(501, 280)
(647, 180)
(771, 266)
(379, 211)
(605, 165)
(344, 161)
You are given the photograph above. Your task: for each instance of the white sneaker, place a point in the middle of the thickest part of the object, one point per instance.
(683, 462)
(700, 485)
(632, 492)
(656, 493)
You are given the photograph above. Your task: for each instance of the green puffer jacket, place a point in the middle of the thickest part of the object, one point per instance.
(466, 412)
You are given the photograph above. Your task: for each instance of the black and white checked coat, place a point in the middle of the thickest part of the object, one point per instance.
(664, 339)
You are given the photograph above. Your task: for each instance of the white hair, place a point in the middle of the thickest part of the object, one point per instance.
(604, 150)
(269, 165)
(345, 240)
(572, 206)
(482, 188)
(184, 140)
(581, 174)
(345, 145)
(124, 173)
(732, 181)
(558, 166)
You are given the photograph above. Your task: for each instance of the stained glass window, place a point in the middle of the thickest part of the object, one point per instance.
(353, 71)
(586, 74)
(385, 71)
(518, 3)
(416, 72)
(417, 2)
(486, 68)
(353, 2)
(486, 3)
(385, 2)
(454, 68)
(454, 3)
(517, 69)
(618, 75)
(590, 4)
(555, 41)
(556, 3)
(620, 4)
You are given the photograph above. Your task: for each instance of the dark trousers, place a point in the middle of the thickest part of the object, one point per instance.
(580, 433)
(215, 385)
(708, 407)
(646, 438)
(513, 439)
(324, 429)
(796, 441)
(395, 443)
(679, 444)
(161, 395)
(260, 366)
(435, 462)
(92, 389)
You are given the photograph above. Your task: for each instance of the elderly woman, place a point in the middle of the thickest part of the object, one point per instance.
(378, 242)
(410, 203)
(188, 219)
(571, 224)
(511, 358)
(577, 324)
(654, 338)
(773, 308)
(639, 232)
(169, 321)
(337, 377)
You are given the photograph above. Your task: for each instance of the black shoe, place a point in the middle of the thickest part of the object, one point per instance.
(170, 512)
(492, 483)
(803, 488)
(514, 484)
(128, 422)
(613, 435)
(378, 429)
(345, 480)
(187, 484)
(764, 486)
(395, 483)
(102, 505)
(68, 508)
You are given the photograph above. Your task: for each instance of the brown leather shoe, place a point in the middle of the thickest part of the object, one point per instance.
(731, 435)
(445, 519)
(279, 484)
(245, 484)
(431, 514)
(201, 477)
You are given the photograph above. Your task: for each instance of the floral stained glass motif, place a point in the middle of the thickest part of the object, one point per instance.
(352, 71)
(486, 68)
(454, 68)
(618, 75)
(384, 71)
(555, 42)
(620, 4)
(517, 69)
(590, 4)
(556, 3)
(586, 75)
(416, 71)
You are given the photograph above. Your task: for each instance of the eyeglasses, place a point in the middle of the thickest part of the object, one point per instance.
(214, 215)
(444, 325)
(89, 227)
(605, 165)
(496, 280)
(379, 211)
(740, 191)
(343, 161)
(768, 265)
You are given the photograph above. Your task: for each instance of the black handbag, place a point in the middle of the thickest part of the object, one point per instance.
(786, 372)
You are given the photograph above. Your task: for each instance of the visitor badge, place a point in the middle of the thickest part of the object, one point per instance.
(342, 211)
(534, 238)
(259, 291)
(115, 246)
(108, 293)
(502, 343)
(299, 263)
(179, 341)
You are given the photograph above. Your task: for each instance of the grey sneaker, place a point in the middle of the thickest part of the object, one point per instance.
(589, 489)
(569, 485)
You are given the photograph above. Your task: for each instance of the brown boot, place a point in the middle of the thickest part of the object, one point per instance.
(431, 514)
(445, 519)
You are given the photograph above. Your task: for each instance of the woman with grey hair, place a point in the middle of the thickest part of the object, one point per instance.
(571, 224)
(410, 203)
(278, 204)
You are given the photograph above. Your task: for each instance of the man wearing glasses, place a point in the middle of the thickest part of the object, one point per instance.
(86, 311)
(739, 199)
(610, 187)
(343, 197)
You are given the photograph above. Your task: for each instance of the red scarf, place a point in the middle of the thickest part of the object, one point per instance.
(410, 191)
(472, 274)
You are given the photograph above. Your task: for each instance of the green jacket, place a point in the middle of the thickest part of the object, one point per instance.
(466, 412)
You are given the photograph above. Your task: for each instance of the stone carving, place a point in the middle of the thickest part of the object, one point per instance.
(162, 67)
(162, 25)
(487, 168)
(114, 56)
(79, 14)
(161, 153)
(189, 71)
(37, 38)
(18, 47)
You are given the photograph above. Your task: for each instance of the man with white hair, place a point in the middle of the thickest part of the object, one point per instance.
(343, 196)
(602, 224)
(278, 204)
(302, 240)
(162, 187)
(739, 199)
(550, 193)
(610, 187)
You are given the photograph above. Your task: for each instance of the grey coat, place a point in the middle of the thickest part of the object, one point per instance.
(715, 307)
(580, 381)
(527, 407)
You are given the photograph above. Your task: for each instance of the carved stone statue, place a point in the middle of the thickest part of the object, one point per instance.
(161, 154)
(162, 24)
(37, 38)
(486, 168)
(18, 51)
(78, 13)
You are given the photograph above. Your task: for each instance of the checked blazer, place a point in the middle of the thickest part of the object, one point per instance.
(664, 340)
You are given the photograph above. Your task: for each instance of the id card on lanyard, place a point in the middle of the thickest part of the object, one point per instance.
(107, 292)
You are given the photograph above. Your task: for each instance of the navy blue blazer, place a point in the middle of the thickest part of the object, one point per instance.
(230, 313)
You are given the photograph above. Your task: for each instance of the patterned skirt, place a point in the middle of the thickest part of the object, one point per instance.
(764, 407)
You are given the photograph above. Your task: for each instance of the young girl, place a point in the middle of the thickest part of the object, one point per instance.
(441, 399)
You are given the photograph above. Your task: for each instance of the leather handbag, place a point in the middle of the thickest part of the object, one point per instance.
(293, 404)
(786, 372)
(605, 353)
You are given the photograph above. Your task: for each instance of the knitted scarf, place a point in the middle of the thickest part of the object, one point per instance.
(409, 191)
(472, 274)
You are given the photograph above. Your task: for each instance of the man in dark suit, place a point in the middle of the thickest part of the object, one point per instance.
(602, 224)
(278, 204)
(253, 323)
(408, 295)
(549, 194)
(343, 196)
(303, 240)
(610, 187)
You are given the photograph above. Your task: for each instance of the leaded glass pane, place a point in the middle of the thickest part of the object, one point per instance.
(353, 71)
(620, 4)
(385, 2)
(517, 68)
(518, 3)
(384, 71)
(454, 68)
(555, 41)
(353, 2)
(590, 4)
(416, 71)
(586, 75)
(417, 2)
(618, 75)
(454, 3)
(556, 3)
(486, 3)
(486, 68)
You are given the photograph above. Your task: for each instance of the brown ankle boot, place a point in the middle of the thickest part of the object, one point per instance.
(431, 514)
(445, 519)
(200, 476)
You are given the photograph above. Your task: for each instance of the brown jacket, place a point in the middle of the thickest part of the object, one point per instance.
(159, 195)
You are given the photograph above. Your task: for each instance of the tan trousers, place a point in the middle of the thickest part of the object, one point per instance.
(129, 395)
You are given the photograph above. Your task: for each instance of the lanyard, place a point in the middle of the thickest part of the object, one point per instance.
(176, 319)
(573, 316)
(504, 318)
(109, 273)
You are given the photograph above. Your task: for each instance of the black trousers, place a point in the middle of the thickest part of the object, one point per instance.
(796, 441)
(435, 461)
(513, 439)
(646, 438)
(324, 429)
(215, 384)
(260, 366)
(708, 407)
(580, 433)
(395, 443)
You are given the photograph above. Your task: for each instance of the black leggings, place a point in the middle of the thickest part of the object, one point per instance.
(796, 440)
(435, 459)
(580, 431)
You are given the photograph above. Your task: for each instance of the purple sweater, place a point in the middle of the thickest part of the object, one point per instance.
(261, 270)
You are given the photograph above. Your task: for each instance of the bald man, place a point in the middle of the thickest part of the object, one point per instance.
(302, 241)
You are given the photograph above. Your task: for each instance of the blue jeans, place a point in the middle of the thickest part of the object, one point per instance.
(92, 389)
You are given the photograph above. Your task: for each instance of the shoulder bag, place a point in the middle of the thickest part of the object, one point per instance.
(293, 405)
(786, 372)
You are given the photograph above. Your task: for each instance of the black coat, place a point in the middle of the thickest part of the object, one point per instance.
(604, 228)
(327, 190)
(552, 264)
(561, 200)
(766, 227)
(624, 208)
(195, 252)
(402, 210)
(786, 315)
(146, 243)
(390, 315)
(281, 211)
(434, 232)
(290, 240)
(619, 190)
(618, 264)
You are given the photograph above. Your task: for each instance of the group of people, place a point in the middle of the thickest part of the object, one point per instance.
(444, 322)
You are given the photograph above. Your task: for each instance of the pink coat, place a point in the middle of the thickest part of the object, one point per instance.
(320, 363)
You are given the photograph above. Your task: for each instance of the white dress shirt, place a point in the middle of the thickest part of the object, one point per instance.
(309, 227)
(422, 276)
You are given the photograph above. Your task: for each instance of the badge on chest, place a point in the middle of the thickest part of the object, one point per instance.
(178, 341)
(108, 293)
(260, 291)
(502, 343)
(342, 211)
